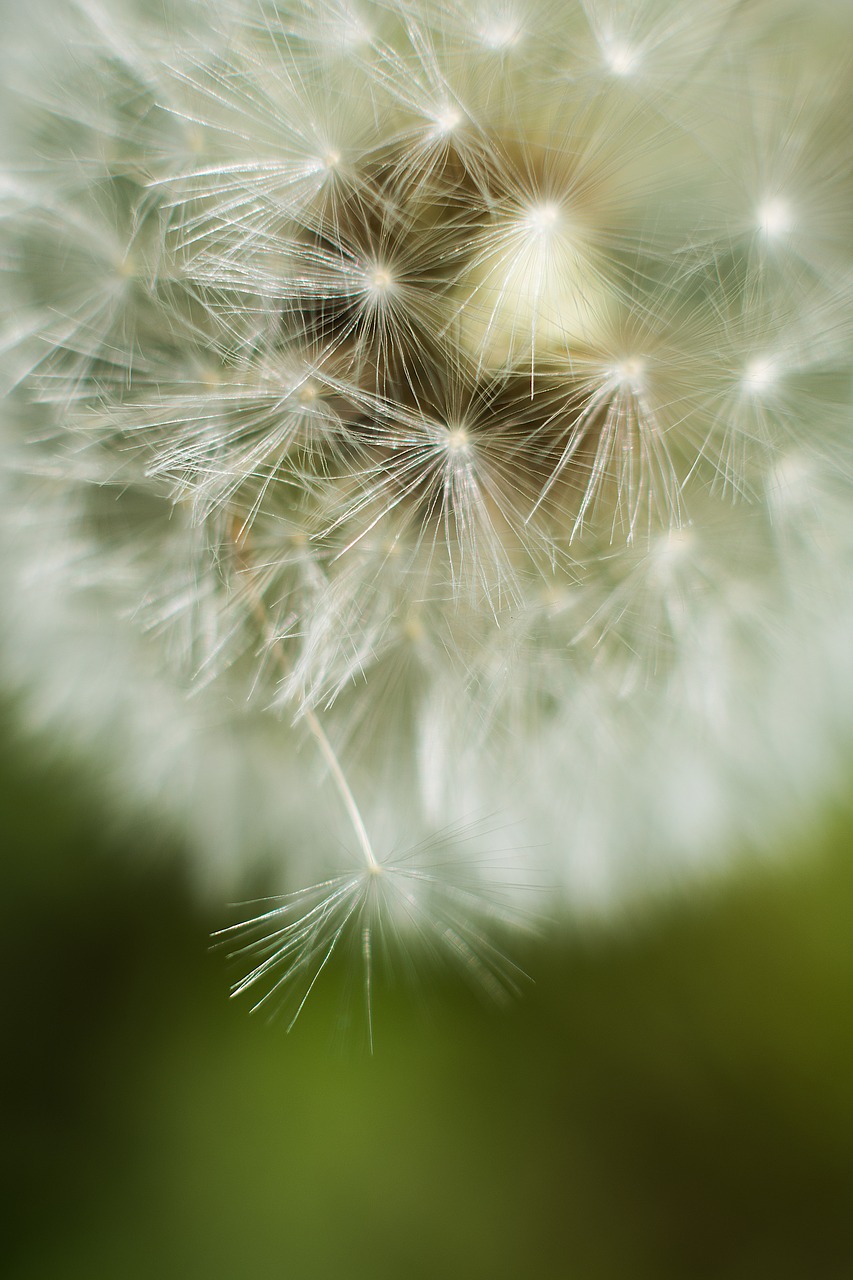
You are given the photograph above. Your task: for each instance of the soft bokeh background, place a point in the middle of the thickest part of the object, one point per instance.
(671, 1098)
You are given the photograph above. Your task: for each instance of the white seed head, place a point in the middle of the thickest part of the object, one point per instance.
(401, 395)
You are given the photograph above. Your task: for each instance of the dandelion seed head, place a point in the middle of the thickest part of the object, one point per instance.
(413, 410)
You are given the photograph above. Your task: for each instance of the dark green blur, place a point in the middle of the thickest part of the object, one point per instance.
(670, 1100)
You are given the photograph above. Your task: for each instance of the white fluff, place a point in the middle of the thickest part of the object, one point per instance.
(457, 403)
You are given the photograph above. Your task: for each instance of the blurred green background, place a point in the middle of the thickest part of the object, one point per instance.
(673, 1098)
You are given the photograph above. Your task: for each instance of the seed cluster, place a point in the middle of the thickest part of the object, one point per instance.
(472, 377)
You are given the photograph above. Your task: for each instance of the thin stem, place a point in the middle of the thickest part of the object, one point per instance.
(310, 716)
(343, 786)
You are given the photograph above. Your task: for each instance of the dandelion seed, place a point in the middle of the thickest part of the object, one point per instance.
(457, 440)
(774, 218)
(542, 219)
(418, 905)
(760, 375)
(501, 32)
(379, 280)
(446, 121)
(630, 374)
(621, 58)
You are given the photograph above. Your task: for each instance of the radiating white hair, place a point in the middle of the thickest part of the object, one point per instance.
(446, 406)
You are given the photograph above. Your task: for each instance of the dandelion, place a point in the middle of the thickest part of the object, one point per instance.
(432, 413)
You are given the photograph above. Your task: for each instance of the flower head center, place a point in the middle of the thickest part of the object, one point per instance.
(501, 33)
(760, 374)
(380, 280)
(541, 219)
(457, 440)
(620, 58)
(447, 120)
(630, 374)
(309, 392)
(774, 218)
